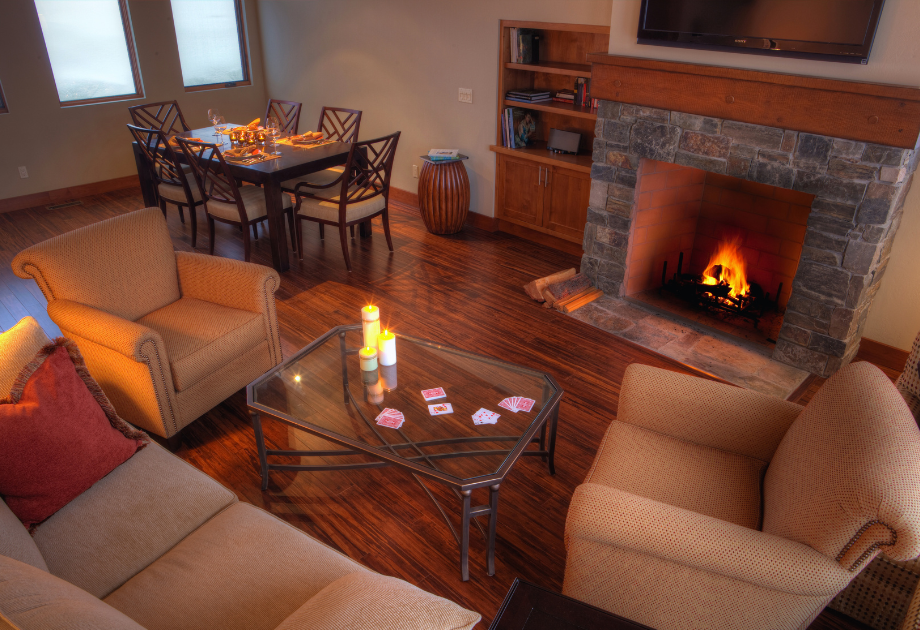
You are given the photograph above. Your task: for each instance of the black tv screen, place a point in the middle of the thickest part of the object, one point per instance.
(832, 30)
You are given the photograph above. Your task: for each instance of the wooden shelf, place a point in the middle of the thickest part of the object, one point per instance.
(555, 107)
(554, 67)
(538, 152)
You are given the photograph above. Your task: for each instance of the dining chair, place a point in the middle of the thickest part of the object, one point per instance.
(174, 184)
(336, 124)
(287, 113)
(360, 193)
(164, 116)
(224, 200)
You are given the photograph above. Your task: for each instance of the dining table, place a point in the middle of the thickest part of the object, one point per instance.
(294, 161)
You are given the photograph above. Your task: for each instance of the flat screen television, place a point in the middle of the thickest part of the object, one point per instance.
(830, 30)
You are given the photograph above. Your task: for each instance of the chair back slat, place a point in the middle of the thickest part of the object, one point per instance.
(287, 113)
(340, 125)
(160, 156)
(215, 182)
(372, 161)
(165, 116)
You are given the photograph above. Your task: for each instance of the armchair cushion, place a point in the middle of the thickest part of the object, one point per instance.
(844, 479)
(368, 601)
(124, 265)
(200, 337)
(18, 346)
(705, 480)
(704, 412)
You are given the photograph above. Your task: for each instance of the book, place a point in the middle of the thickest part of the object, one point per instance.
(448, 154)
(529, 94)
(523, 127)
(527, 100)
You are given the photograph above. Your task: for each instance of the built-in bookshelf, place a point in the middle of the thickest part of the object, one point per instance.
(538, 190)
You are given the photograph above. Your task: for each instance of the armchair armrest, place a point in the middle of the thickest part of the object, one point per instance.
(104, 329)
(231, 283)
(705, 412)
(612, 517)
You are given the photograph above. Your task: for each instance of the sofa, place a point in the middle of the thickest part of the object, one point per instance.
(157, 544)
(711, 506)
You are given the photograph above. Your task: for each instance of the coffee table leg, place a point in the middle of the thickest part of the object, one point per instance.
(493, 523)
(552, 440)
(260, 445)
(465, 537)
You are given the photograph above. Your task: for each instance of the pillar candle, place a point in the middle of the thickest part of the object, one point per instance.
(368, 358)
(388, 377)
(370, 322)
(386, 345)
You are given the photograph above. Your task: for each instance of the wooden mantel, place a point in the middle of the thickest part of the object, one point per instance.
(868, 112)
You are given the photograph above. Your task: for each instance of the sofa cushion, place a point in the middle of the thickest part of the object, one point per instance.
(368, 601)
(201, 336)
(15, 541)
(128, 519)
(18, 346)
(699, 478)
(59, 434)
(243, 570)
(34, 600)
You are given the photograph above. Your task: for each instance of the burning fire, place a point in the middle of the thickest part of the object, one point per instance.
(734, 272)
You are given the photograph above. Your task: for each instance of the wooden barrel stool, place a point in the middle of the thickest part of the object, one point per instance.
(444, 195)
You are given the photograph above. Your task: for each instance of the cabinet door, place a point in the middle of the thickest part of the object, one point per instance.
(566, 203)
(522, 191)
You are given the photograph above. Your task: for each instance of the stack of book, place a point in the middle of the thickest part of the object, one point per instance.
(519, 127)
(443, 155)
(525, 46)
(529, 96)
(565, 96)
(580, 96)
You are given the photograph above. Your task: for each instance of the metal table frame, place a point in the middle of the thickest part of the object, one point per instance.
(387, 455)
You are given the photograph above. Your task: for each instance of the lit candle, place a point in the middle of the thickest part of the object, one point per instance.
(388, 377)
(370, 322)
(368, 358)
(386, 344)
(375, 393)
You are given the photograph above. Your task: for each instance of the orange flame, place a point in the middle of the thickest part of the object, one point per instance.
(734, 270)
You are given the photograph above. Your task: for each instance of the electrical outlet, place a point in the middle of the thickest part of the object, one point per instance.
(23, 173)
(415, 171)
(466, 95)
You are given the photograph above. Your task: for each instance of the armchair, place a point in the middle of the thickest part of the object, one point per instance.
(167, 335)
(709, 506)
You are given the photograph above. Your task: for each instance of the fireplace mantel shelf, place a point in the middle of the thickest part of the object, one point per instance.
(868, 112)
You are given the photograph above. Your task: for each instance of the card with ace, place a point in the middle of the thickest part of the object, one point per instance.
(440, 409)
(484, 416)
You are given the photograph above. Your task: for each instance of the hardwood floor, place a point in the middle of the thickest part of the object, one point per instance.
(463, 289)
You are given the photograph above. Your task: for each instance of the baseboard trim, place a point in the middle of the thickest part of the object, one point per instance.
(404, 197)
(541, 238)
(482, 222)
(882, 354)
(62, 195)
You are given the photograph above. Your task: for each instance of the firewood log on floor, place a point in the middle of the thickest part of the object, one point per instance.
(566, 291)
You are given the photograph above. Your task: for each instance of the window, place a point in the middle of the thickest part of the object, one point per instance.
(212, 43)
(3, 108)
(91, 50)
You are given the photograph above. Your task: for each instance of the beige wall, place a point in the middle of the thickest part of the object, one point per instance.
(68, 146)
(895, 316)
(402, 62)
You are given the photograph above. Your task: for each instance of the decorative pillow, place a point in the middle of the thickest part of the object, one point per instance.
(59, 434)
(368, 601)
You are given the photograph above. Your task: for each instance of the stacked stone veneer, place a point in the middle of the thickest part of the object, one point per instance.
(859, 193)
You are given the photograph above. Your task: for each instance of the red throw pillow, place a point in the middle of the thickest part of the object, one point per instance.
(59, 434)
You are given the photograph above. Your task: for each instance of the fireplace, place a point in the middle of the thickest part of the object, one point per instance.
(815, 213)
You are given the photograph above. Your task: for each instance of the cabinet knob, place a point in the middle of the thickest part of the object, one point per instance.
(729, 99)
(873, 120)
(618, 83)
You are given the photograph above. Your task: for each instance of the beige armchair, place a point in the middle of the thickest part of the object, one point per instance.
(168, 335)
(710, 506)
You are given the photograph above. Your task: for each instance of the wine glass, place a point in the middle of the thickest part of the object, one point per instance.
(273, 128)
(215, 118)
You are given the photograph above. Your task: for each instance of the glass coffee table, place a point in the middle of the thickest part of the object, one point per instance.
(323, 391)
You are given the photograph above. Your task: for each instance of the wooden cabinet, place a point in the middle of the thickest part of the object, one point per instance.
(539, 194)
(545, 197)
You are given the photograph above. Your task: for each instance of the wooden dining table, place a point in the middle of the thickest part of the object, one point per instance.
(294, 162)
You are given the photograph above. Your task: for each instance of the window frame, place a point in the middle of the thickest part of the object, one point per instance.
(244, 55)
(132, 58)
(4, 106)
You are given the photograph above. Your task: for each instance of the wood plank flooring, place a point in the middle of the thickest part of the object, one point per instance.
(464, 290)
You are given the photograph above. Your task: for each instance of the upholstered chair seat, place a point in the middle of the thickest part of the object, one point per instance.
(176, 194)
(167, 335)
(710, 506)
(253, 198)
(320, 178)
(325, 206)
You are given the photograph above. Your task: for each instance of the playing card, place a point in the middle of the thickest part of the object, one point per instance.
(433, 394)
(525, 404)
(506, 403)
(484, 416)
(390, 418)
(440, 409)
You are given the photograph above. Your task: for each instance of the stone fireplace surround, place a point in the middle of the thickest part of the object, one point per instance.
(859, 191)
